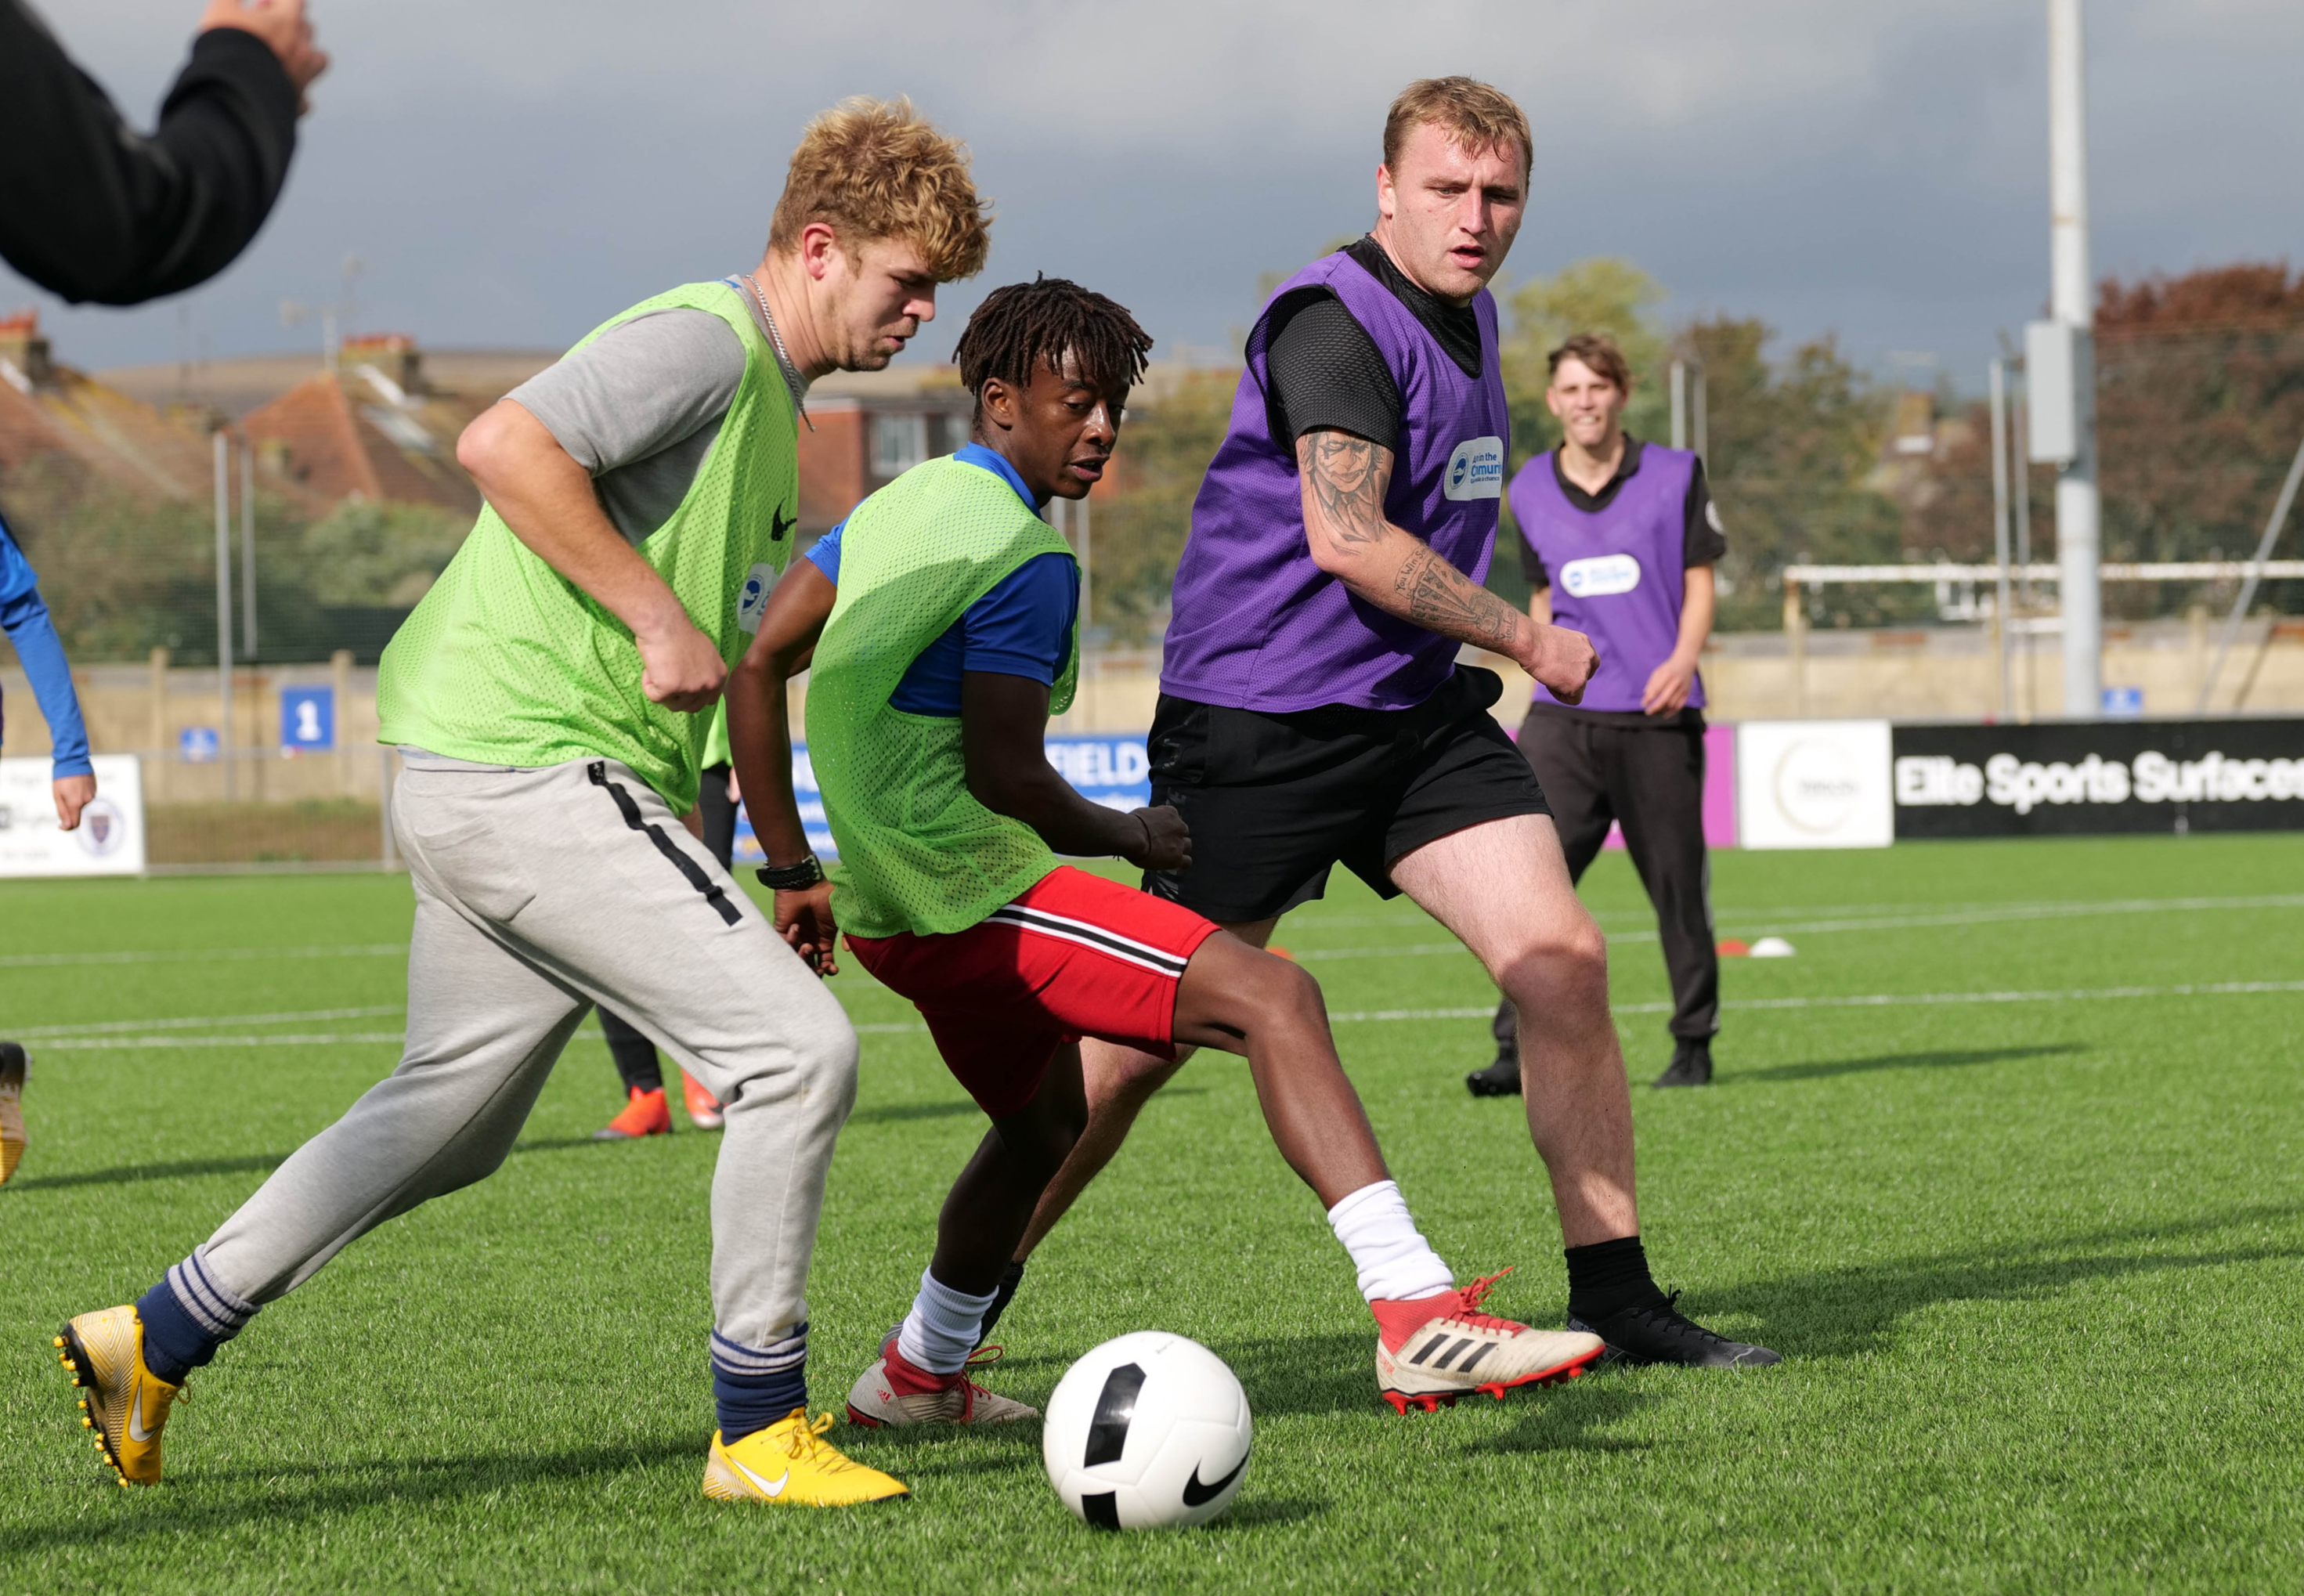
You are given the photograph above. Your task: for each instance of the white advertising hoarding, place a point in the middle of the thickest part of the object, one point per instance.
(109, 841)
(1814, 784)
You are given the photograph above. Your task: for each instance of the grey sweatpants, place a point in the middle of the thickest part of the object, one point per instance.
(540, 893)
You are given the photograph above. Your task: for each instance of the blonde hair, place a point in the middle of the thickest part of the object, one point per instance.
(875, 169)
(1476, 118)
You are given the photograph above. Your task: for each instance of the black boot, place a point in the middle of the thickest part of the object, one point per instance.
(1691, 1063)
(1500, 1079)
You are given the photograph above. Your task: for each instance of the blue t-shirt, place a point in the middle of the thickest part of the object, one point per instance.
(1022, 627)
(24, 618)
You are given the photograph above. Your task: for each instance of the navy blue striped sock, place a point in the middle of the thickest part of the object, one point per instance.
(755, 1387)
(186, 1316)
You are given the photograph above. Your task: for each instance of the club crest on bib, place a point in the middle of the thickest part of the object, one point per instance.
(1475, 470)
(753, 597)
(1599, 575)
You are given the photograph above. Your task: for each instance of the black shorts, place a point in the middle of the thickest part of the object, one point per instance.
(1274, 801)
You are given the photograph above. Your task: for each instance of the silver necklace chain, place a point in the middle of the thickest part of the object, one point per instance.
(784, 357)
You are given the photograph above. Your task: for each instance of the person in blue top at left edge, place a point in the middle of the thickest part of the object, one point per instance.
(24, 618)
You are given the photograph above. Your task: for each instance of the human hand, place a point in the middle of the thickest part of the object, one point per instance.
(1562, 661)
(1167, 844)
(72, 794)
(680, 667)
(281, 24)
(735, 788)
(803, 919)
(1668, 687)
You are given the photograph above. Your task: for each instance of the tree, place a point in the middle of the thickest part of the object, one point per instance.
(2199, 409)
(1600, 296)
(1169, 437)
(1791, 448)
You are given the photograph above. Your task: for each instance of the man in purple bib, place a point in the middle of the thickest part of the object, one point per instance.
(1618, 539)
(1312, 711)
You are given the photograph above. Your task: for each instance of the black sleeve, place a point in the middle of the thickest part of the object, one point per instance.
(1531, 564)
(1325, 371)
(91, 210)
(1531, 567)
(1705, 542)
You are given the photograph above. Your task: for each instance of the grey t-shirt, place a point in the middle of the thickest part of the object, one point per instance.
(639, 406)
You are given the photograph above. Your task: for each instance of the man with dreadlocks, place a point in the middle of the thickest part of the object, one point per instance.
(937, 624)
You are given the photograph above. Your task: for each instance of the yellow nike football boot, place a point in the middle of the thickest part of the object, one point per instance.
(125, 1403)
(12, 1065)
(791, 1462)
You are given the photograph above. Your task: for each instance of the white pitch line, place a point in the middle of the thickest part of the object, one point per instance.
(2015, 912)
(2221, 989)
(332, 1039)
(193, 1023)
(188, 955)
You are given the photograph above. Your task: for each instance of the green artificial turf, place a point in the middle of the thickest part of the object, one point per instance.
(2036, 1268)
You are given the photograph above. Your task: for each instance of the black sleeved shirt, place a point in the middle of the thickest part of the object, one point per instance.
(92, 210)
(1703, 543)
(1325, 370)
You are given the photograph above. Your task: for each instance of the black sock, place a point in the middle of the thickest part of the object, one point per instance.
(1002, 1294)
(1607, 1277)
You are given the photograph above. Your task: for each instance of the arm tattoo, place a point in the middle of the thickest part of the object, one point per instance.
(1350, 477)
(1434, 593)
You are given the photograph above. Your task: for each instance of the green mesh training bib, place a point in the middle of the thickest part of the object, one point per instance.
(917, 852)
(507, 662)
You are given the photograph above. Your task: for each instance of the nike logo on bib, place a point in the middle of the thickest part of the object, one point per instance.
(779, 523)
(1197, 1495)
(1475, 470)
(1600, 575)
(763, 1486)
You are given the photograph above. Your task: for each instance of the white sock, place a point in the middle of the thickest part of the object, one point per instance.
(1394, 1260)
(941, 1329)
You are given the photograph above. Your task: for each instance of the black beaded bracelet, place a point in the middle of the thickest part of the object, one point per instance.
(791, 877)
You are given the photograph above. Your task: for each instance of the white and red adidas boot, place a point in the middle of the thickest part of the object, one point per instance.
(1432, 1350)
(893, 1393)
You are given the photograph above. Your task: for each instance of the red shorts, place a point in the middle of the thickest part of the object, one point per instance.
(1076, 955)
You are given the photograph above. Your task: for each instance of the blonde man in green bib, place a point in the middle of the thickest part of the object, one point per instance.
(552, 696)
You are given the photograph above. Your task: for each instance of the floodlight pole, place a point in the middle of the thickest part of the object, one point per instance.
(2079, 526)
(248, 550)
(224, 603)
(1679, 404)
(2004, 612)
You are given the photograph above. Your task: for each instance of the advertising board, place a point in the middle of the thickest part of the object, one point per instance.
(1112, 771)
(1813, 783)
(2094, 777)
(109, 840)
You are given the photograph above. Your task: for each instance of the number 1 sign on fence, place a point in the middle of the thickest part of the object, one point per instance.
(308, 719)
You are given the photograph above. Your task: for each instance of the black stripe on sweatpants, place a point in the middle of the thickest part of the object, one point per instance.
(712, 890)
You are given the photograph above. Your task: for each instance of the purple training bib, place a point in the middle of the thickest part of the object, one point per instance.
(1255, 625)
(1618, 573)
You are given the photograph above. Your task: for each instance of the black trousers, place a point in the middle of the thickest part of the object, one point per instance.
(1650, 780)
(635, 1054)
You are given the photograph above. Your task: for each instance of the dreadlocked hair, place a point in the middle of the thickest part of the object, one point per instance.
(1023, 326)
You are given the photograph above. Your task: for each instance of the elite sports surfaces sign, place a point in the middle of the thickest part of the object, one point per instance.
(2097, 777)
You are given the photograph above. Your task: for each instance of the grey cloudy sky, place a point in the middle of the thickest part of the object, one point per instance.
(513, 171)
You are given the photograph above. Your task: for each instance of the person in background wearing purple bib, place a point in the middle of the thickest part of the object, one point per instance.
(1618, 537)
(1312, 711)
